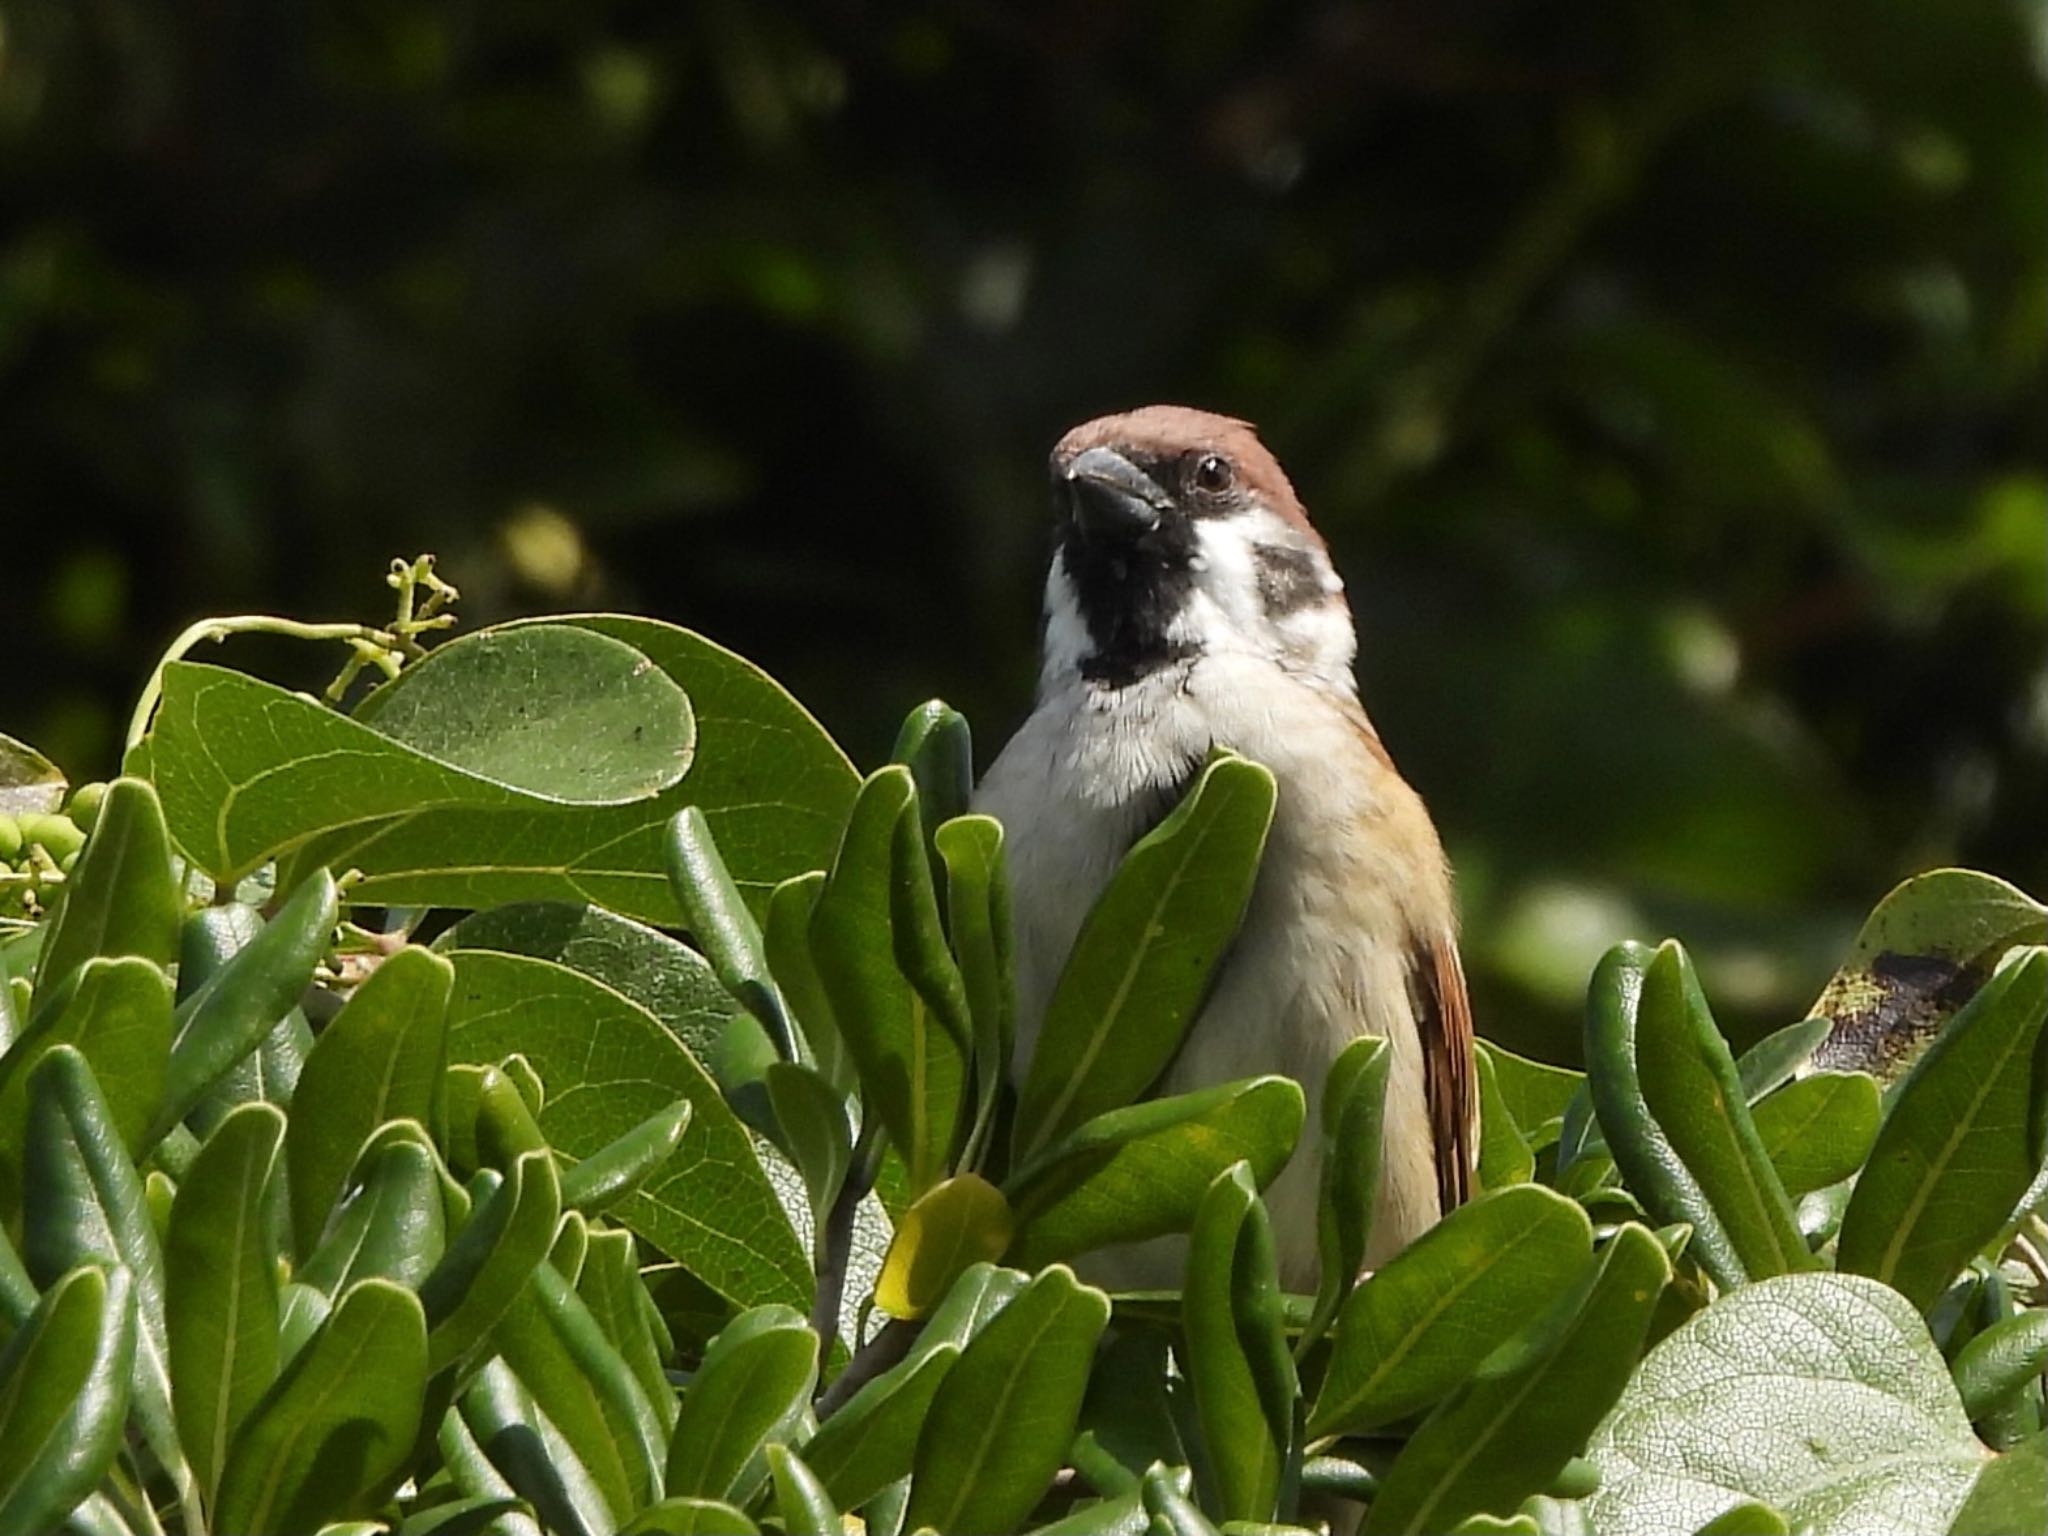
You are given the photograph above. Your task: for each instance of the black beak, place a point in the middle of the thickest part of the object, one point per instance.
(1110, 498)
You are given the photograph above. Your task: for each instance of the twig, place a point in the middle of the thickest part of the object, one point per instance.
(869, 1361)
(835, 1236)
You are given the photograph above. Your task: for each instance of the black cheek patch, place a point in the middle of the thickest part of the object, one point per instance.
(1289, 579)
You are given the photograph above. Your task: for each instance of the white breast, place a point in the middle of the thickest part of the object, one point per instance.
(1323, 954)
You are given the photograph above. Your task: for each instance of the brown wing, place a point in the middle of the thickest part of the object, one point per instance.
(1443, 1018)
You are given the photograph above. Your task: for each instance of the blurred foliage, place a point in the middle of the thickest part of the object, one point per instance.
(1669, 379)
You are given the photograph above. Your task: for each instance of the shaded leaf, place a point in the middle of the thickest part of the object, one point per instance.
(122, 897)
(755, 1382)
(1818, 1129)
(64, 1396)
(1354, 1105)
(487, 1266)
(957, 1223)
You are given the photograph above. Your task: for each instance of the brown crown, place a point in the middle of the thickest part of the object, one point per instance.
(1163, 431)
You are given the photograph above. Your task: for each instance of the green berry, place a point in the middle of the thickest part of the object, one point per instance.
(69, 861)
(58, 835)
(85, 803)
(10, 836)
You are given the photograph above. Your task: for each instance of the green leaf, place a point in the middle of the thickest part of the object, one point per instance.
(1230, 1315)
(1747, 1519)
(1960, 1144)
(1999, 1362)
(1504, 1154)
(84, 1203)
(498, 1423)
(786, 941)
(689, 1517)
(1140, 1172)
(978, 922)
(117, 1015)
(624, 1166)
(771, 782)
(611, 1287)
(489, 1121)
(812, 1117)
(912, 1068)
(754, 1384)
(955, 1224)
(1657, 1172)
(1173, 1512)
(2010, 1493)
(1000, 1425)
(872, 1440)
(919, 933)
(1140, 967)
(663, 975)
(1774, 1060)
(1354, 1104)
(937, 747)
(221, 1305)
(492, 1258)
(394, 1228)
(383, 1057)
(1820, 1395)
(609, 1065)
(1690, 1088)
(1535, 1092)
(210, 938)
(806, 1508)
(556, 1349)
(122, 897)
(1925, 949)
(64, 1397)
(550, 709)
(243, 1001)
(1425, 1321)
(334, 1431)
(718, 918)
(1509, 1430)
(1817, 1130)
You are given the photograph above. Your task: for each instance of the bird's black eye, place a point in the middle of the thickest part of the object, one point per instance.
(1212, 473)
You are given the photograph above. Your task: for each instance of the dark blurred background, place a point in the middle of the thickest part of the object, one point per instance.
(1669, 378)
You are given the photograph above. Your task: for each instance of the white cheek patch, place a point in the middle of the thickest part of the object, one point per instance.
(1067, 642)
(1228, 610)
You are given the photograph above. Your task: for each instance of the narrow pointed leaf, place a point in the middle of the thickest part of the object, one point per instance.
(1247, 1444)
(912, 1068)
(1425, 1322)
(621, 1167)
(64, 1397)
(978, 923)
(1509, 1430)
(717, 916)
(800, 1498)
(1960, 1144)
(1777, 1058)
(1354, 1103)
(1504, 1154)
(491, 1259)
(1140, 968)
(122, 897)
(811, 1115)
(611, 1288)
(1003, 1417)
(383, 1057)
(334, 1431)
(525, 1450)
(245, 999)
(1140, 1172)
(872, 1440)
(786, 942)
(753, 1386)
(394, 1227)
(84, 1203)
(221, 1304)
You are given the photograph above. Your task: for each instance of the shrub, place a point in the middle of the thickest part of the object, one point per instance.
(374, 1157)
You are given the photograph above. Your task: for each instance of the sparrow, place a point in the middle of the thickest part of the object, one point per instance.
(1190, 604)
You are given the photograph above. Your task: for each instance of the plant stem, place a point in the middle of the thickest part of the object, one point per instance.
(835, 1239)
(242, 624)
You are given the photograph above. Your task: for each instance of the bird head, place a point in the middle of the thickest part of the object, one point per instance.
(1179, 536)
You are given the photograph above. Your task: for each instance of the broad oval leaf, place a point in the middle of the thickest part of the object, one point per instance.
(1821, 1395)
(1422, 1324)
(1508, 1431)
(64, 1397)
(953, 1225)
(1141, 1172)
(383, 1057)
(609, 1065)
(551, 709)
(335, 1429)
(1960, 1144)
(221, 1304)
(1140, 967)
(1000, 1425)
(753, 1386)
(774, 787)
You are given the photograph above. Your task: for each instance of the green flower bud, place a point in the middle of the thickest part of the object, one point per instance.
(58, 835)
(10, 836)
(85, 803)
